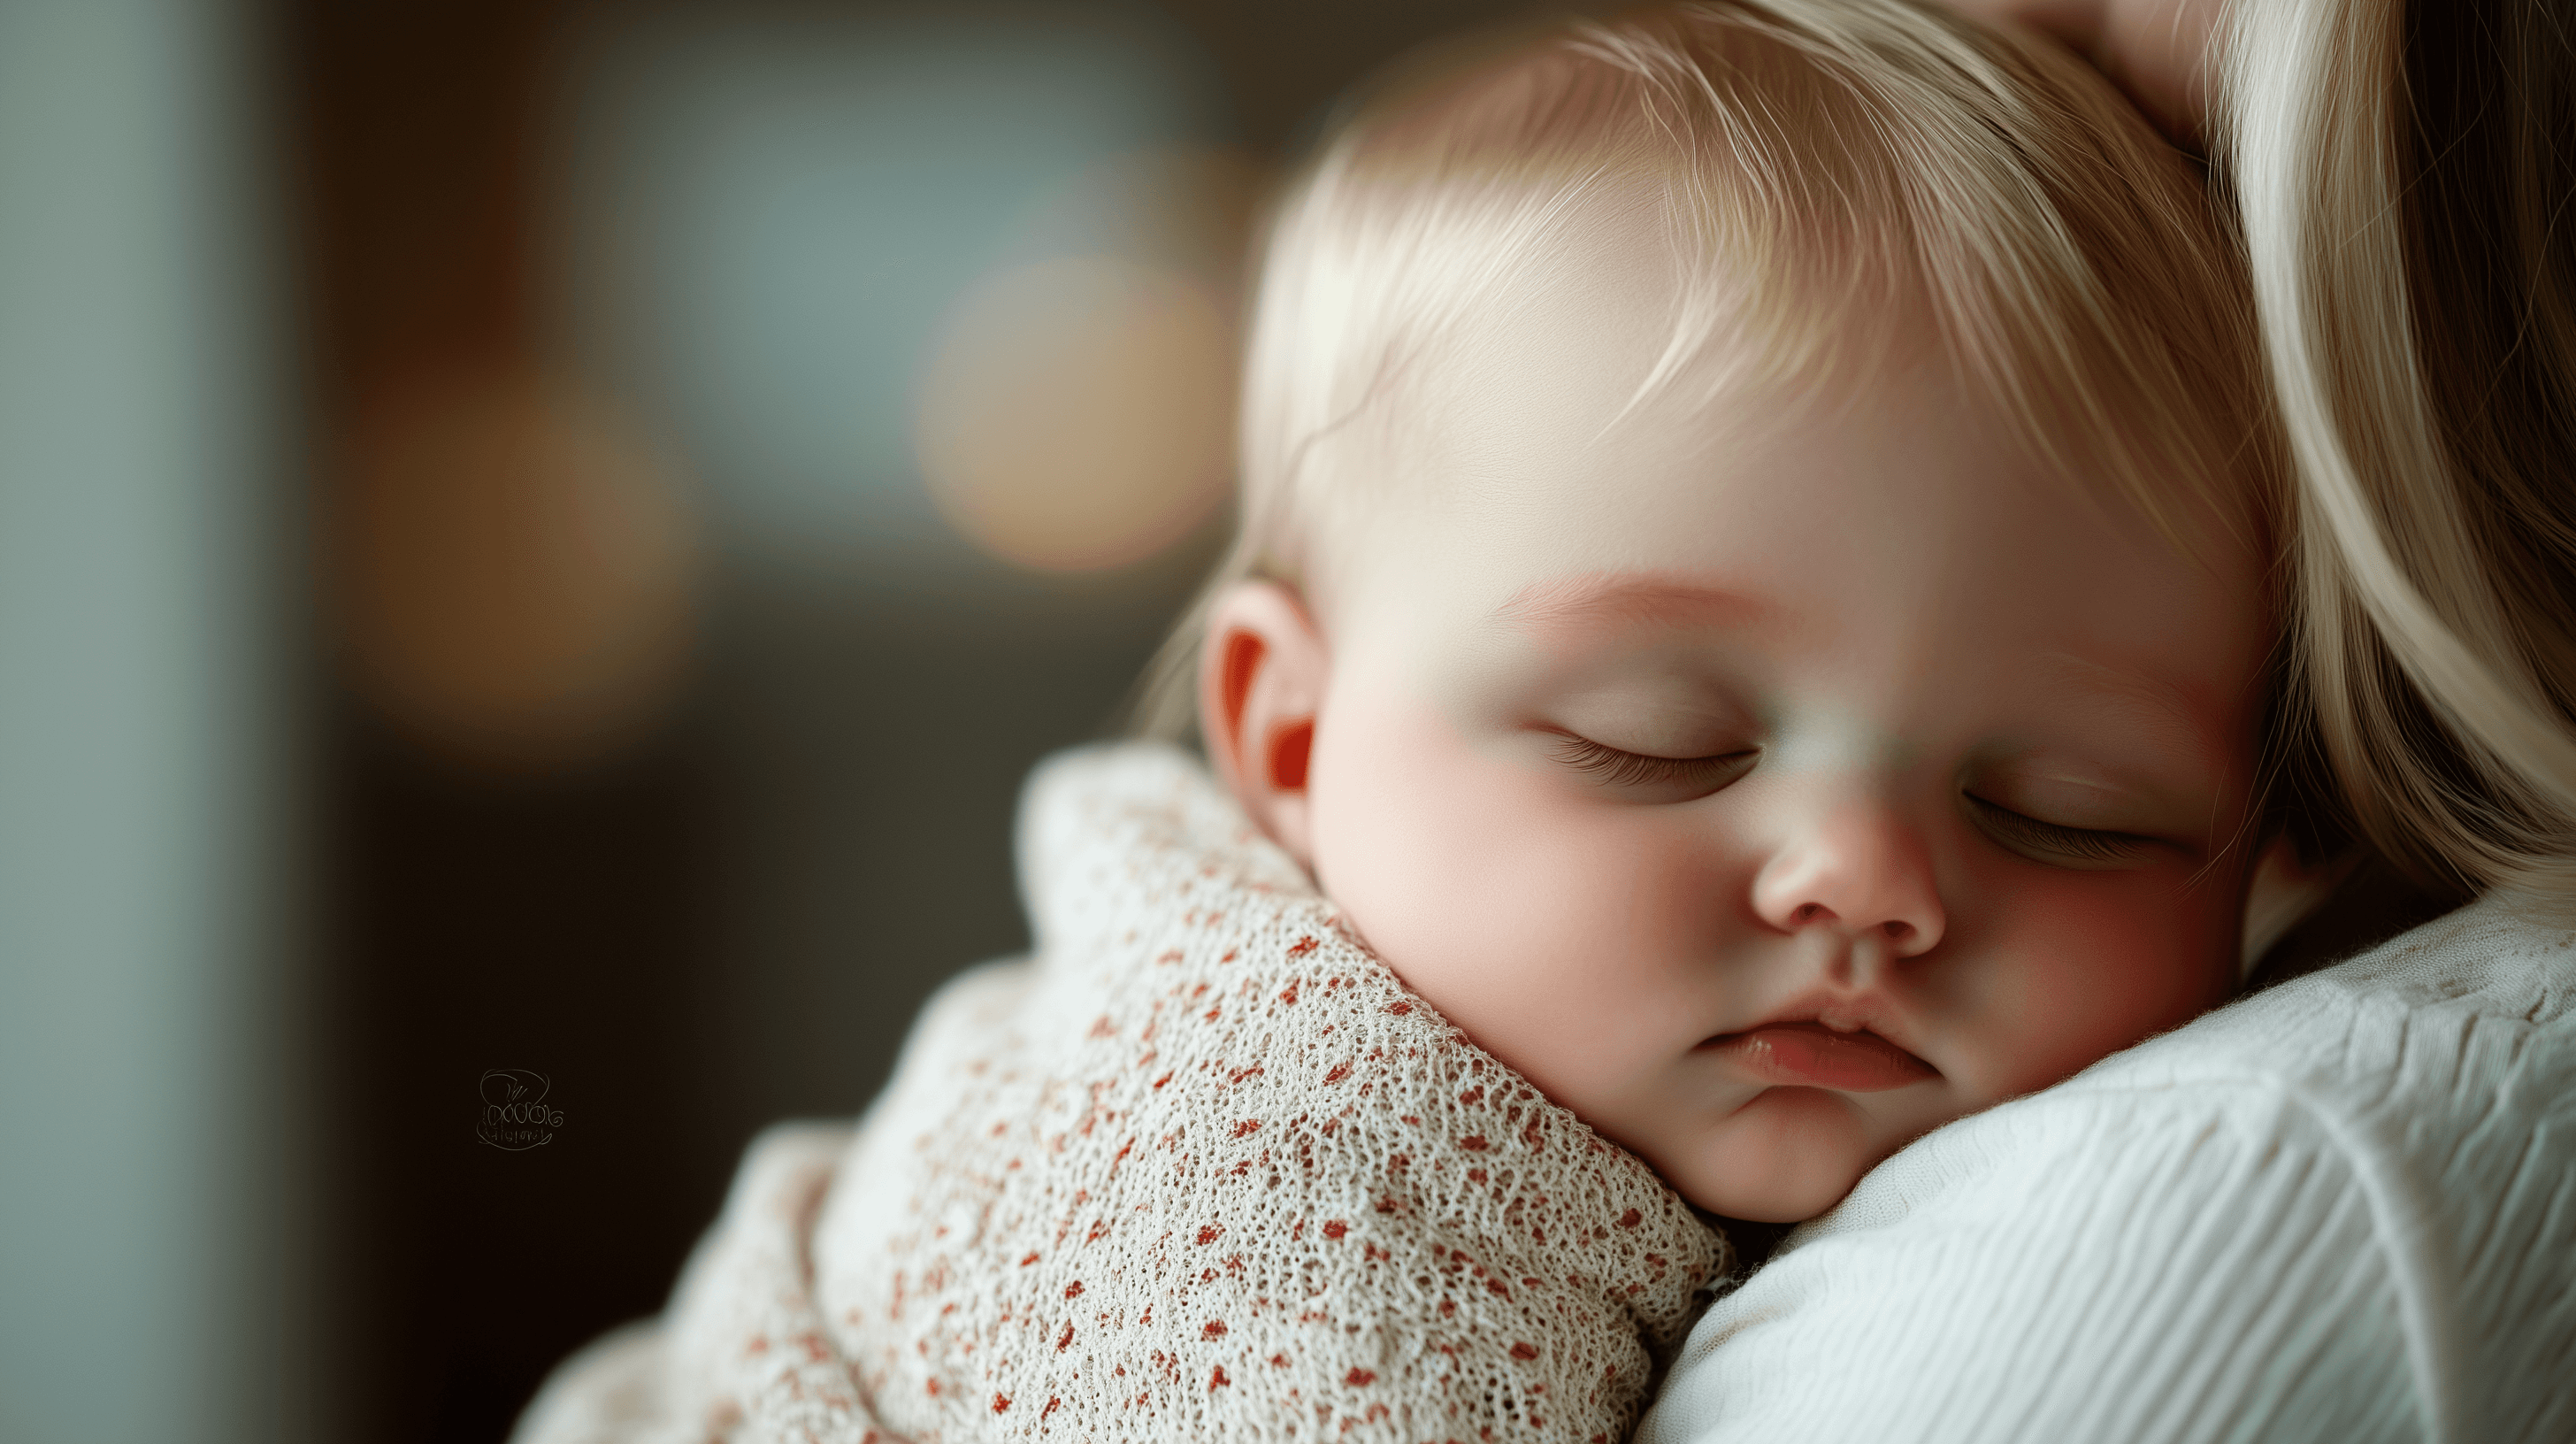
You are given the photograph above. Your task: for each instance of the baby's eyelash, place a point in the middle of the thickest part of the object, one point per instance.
(2090, 844)
(1617, 768)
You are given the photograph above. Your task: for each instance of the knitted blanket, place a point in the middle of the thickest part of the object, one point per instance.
(1203, 1169)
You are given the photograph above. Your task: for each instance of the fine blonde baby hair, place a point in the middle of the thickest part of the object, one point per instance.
(2405, 175)
(1824, 172)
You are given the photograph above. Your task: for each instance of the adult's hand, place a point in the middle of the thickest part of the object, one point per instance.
(2156, 50)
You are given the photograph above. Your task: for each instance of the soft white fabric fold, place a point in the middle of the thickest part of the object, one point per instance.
(2340, 1211)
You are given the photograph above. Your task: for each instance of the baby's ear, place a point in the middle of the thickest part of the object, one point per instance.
(1262, 672)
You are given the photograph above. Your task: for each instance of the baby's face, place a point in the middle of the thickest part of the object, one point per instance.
(1773, 786)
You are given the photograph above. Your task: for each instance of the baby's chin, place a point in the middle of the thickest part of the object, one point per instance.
(1785, 1157)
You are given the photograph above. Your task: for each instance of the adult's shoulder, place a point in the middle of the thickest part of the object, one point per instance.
(2342, 1209)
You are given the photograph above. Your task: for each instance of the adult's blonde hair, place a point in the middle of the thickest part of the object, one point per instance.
(1825, 172)
(2407, 181)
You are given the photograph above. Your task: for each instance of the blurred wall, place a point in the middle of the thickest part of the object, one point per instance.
(155, 1228)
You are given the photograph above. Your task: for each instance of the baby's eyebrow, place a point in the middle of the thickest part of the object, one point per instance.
(2152, 706)
(1565, 603)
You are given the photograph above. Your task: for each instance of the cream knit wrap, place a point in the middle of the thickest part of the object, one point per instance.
(1204, 1169)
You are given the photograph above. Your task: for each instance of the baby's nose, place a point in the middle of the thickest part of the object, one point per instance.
(1859, 871)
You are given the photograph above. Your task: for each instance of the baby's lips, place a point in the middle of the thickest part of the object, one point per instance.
(1811, 1055)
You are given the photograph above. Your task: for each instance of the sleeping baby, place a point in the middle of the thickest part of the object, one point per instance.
(1747, 642)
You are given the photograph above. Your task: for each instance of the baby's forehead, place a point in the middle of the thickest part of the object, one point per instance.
(1604, 350)
(1607, 378)
(1547, 438)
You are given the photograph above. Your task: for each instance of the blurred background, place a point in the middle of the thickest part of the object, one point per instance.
(537, 542)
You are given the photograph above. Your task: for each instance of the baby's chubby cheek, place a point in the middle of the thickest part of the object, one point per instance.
(1563, 945)
(2078, 967)
(1589, 948)
(1583, 946)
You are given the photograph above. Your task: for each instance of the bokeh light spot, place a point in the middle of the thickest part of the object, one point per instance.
(1077, 415)
(516, 569)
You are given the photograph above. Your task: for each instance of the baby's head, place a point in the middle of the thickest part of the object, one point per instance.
(1753, 595)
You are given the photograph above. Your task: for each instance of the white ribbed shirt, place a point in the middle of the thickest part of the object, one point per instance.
(2343, 1210)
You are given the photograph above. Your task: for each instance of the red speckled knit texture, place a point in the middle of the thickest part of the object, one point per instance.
(1209, 1170)
(1204, 1169)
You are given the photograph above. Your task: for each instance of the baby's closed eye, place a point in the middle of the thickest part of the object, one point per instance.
(1645, 776)
(2056, 843)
